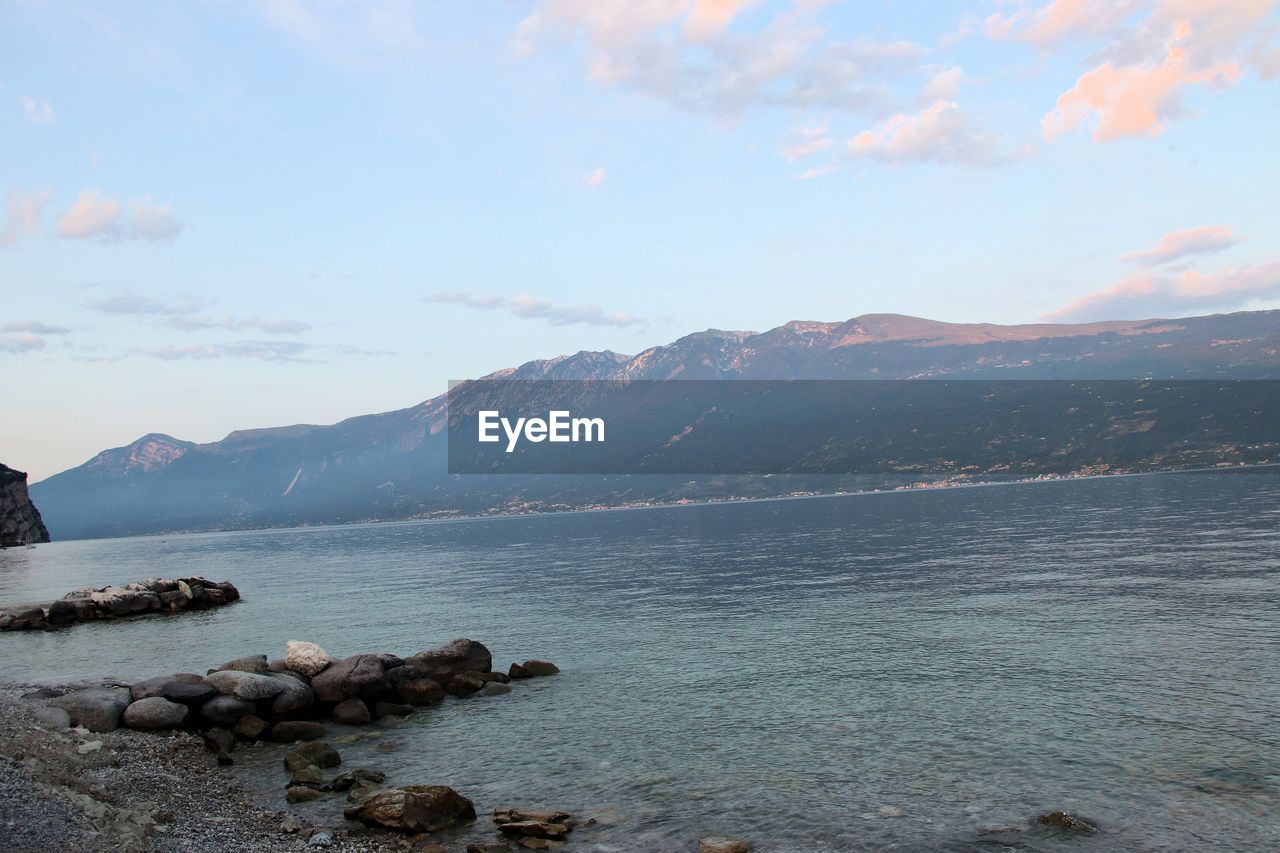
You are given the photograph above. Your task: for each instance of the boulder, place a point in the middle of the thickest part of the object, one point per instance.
(155, 712)
(257, 664)
(496, 688)
(461, 655)
(31, 619)
(53, 718)
(64, 612)
(352, 712)
(98, 709)
(464, 684)
(226, 710)
(539, 667)
(359, 775)
(420, 691)
(500, 677)
(301, 794)
(278, 665)
(251, 727)
(295, 696)
(185, 687)
(414, 808)
(722, 845)
(306, 658)
(391, 709)
(517, 671)
(523, 823)
(245, 685)
(290, 731)
(316, 752)
(356, 677)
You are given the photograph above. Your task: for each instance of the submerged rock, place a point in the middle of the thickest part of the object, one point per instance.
(301, 794)
(1066, 821)
(723, 845)
(289, 731)
(420, 691)
(496, 688)
(155, 712)
(524, 823)
(357, 776)
(220, 742)
(391, 709)
(316, 752)
(251, 727)
(414, 808)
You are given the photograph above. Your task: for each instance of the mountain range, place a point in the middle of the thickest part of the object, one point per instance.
(393, 465)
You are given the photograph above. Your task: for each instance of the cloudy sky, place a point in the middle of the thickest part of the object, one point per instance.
(220, 215)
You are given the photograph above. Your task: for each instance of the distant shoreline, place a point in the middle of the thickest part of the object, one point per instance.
(925, 488)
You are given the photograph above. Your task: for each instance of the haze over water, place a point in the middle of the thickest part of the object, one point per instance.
(910, 670)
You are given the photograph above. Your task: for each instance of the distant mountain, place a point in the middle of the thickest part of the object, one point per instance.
(20, 522)
(393, 465)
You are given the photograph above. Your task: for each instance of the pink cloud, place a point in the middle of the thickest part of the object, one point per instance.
(1179, 244)
(1133, 100)
(596, 178)
(22, 216)
(1060, 20)
(92, 215)
(711, 16)
(1157, 294)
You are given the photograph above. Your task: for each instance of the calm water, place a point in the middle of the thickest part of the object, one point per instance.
(900, 671)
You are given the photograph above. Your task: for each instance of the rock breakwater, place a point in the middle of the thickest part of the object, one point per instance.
(154, 595)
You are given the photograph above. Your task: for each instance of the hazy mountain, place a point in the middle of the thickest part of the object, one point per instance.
(393, 465)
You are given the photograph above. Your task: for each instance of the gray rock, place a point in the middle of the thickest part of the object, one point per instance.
(464, 684)
(352, 712)
(496, 688)
(53, 718)
(98, 709)
(310, 776)
(357, 677)
(155, 712)
(324, 838)
(540, 667)
(420, 691)
(226, 710)
(295, 696)
(251, 727)
(289, 731)
(185, 687)
(461, 655)
(256, 664)
(246, 685)
(306, 658)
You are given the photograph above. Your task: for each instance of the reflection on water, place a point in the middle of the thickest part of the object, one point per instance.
(910, 670)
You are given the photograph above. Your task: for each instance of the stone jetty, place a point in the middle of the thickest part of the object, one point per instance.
(154, 595)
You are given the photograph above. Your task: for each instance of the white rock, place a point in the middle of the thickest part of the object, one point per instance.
(306, 658)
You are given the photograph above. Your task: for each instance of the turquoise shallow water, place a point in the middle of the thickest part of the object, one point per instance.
(902, 671)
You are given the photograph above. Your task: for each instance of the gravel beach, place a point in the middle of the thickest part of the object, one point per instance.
(131, 791)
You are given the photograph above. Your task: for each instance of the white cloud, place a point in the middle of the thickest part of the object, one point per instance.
(34, 327)
(940, 133)
(147, 307)
(23, 215)
(240, 324)
(275, 351)
(685, 53)
(153, 222)
(1180, 244)
(528, 308)
(35, 111)
(944, 84)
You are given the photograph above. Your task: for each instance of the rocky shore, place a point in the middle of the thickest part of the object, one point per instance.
(108, 765)
(154, 595)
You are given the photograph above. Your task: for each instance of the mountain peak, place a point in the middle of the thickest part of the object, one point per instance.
(151, 451)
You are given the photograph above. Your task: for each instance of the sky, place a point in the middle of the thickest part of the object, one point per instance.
(225, 215)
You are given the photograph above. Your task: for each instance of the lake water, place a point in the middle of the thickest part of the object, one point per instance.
(900, 671)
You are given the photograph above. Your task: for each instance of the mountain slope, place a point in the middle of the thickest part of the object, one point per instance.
(393, 465)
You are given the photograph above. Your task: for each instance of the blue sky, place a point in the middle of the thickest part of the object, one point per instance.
(222, 215)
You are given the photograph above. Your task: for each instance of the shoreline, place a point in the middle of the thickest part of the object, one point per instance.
(127, 790)
(912, 489)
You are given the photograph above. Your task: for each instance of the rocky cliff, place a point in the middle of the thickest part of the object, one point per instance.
(20, 522)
